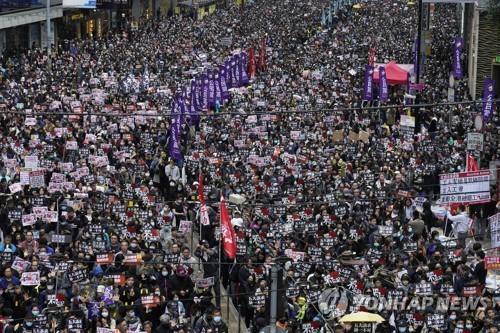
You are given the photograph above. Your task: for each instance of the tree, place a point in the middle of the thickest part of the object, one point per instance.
(494, 7)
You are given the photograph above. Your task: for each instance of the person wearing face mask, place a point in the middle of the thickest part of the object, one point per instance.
(191, 262)
(105, 320)
(218, 325)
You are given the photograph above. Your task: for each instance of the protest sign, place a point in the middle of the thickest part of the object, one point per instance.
(495, 230)
(205, 282)
(185, 226)
(16, 187)
(37, 179)
(30, 278)
(20, 265)
(465, 187)
(475, 141)
(31, 162)
(77, 275)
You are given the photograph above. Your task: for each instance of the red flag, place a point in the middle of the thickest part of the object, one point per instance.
(251, 63)
(228, 235)
(471, 164)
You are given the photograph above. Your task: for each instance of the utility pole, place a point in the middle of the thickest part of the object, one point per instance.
(419, 42)
(48, 31)
(274, 298)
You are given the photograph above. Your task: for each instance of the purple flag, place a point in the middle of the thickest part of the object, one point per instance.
(368, 88)
(458, 72)
(488, 99)
(243, 69)
(223, 84)
(205, 91)
(199, 91)
(227, 67)
(384, 89)
(193, 107)
(211, 89)
(173, 144)
(234, 72)
(218, 89)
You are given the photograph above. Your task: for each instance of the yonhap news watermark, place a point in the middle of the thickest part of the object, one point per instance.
(334, 303)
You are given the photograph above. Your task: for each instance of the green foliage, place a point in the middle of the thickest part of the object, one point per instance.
(494, 7)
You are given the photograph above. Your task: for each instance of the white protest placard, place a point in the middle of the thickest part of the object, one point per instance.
(20, 265)
(465, 187)
(105, 330)
(24, 177)
(475, 141)
(407, 124)
(58, 177)
(50, 216)
(16, 187)
(71, 145)
(55, 187)
(495, 230)
(37, 178)
(30, 278)
(28, 219)
(10, 163)
(205, 282)
(40, 212)
(295, 135)
(185, 226)
(31, 162)
(30, 121)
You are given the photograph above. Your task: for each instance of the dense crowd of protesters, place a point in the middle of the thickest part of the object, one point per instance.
(108, 236)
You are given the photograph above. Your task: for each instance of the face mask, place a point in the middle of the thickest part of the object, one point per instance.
(164, 273)
(453, 317)
(105, 314)
(29, 324)
(468, 326)
(50, 287)
(133, 245)
(35, 313)
(402, 329)
(217, 319)
(157, 293)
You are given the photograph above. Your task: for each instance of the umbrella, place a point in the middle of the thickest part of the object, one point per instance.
(362, 317)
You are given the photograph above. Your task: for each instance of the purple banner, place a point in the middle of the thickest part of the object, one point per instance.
(458, 72)
(173, 144)
(211, 89)
(218, 92)
(234, 72)
(488, 99)
(204, 90)
(384, 88)
(368, 88)
(229, 78)
(223, 83)
(193, 106)
(243, 69)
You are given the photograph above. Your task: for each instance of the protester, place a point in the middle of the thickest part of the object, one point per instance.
(106, 223)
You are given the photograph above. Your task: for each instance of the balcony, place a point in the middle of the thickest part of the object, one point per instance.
(27, 11)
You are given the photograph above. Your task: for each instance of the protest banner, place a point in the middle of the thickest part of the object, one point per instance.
(495, 230)
(465, 187)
